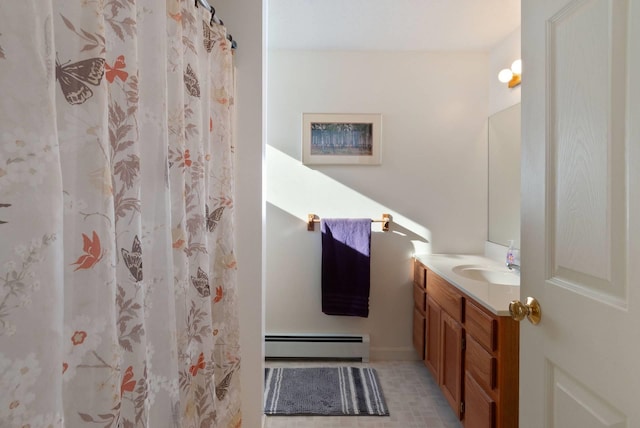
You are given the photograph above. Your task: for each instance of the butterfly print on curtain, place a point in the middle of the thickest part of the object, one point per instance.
(201, 283)
(133, 259)
(116, 71)
(128, 383)
(92, 252)
(191, 82)
(213, 218)
(199, 365)
(219, 294)
(74, 77)
(223, 387)
(208, 40)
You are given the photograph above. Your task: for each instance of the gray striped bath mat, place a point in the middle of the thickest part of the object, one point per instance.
(323, 391)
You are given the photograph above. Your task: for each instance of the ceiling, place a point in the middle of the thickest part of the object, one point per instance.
(391, 25)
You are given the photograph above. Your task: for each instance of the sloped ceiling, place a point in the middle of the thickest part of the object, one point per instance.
(390, 25)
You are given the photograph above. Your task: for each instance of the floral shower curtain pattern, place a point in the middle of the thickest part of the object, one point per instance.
(117, 269)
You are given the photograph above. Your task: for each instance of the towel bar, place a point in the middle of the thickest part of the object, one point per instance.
(312, 219)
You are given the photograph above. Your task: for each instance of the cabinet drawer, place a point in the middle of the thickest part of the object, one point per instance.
(449, 299)
(419, 298)
(419, 274)
(481, 326)
(480, 364)
(479, 408)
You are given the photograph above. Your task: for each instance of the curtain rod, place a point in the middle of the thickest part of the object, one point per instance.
(217, 20)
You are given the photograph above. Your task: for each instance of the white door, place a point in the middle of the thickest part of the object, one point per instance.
(580, 367)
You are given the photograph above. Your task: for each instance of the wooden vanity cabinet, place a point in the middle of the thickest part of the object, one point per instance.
(491, 368)
(445, 338)
(432, 338)
(471, 352)
(451, 347)
(419, 307)
(480, 408)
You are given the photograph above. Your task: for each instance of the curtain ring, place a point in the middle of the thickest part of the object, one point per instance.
(213, 14)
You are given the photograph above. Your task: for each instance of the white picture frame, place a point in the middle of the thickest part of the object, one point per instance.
(341, 139)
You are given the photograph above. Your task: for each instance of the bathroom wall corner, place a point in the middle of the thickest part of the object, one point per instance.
(495, 251)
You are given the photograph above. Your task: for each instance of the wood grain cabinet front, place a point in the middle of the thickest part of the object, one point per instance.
(419, 274)
(447, 296)
(419, 307)
(432, 338)
(490, 369)
(451, 336)
(418, 332)
(479, 406)
(471, 352)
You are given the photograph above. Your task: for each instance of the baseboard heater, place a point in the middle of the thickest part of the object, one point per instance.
(317, 346)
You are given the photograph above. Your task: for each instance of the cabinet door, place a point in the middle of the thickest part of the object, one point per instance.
(451, 361)
(418, 332)
(419, 274)
(479, 408)
(419, 298)
(432, 338)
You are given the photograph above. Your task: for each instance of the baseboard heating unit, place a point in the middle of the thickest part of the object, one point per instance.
(317, 346)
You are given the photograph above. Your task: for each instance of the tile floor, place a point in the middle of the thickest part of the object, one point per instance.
(413, 398)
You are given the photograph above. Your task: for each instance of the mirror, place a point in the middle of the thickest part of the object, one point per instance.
(504, 176)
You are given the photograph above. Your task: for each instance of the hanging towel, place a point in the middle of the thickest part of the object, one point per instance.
(346, 267)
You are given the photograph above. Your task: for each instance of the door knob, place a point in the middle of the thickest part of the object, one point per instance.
(531, 310)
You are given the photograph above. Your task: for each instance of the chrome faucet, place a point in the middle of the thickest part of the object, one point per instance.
(513, 256)
(513, 266)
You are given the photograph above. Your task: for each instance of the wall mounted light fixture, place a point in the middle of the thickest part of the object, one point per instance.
(511, 76)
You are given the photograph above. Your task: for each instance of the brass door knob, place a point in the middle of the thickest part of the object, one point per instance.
(531, 310)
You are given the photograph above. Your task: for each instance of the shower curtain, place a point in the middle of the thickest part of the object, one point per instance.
(117, 268)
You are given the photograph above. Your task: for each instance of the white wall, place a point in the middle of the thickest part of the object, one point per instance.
(433, 179)
(244, 19)
(501, 56)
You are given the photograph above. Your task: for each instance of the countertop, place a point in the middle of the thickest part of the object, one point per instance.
(494, 297)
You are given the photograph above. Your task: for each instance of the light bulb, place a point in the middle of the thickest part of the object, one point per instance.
(516, 67)
(505, 75)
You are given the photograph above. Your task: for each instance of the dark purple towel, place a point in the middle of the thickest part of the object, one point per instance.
(346, 267)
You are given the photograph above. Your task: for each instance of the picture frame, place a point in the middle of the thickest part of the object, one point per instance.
(341, 139)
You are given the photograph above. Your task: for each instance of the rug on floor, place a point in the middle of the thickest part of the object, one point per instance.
(323, 391)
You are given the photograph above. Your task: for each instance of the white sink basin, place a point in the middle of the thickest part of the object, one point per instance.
(493, 275)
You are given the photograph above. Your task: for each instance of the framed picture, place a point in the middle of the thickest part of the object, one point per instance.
(341, 139)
